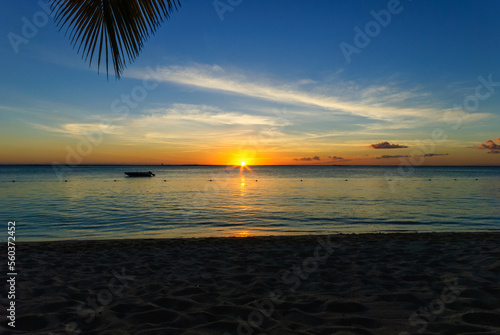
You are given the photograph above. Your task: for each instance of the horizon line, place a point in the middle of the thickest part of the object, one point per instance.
(309, 165)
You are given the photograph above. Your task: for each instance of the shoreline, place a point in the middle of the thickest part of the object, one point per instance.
(398, 234)
(378, 283)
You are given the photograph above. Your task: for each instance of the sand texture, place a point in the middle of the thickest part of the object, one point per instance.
(435, 283)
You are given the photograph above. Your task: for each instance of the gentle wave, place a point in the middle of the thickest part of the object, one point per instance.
(99, 202)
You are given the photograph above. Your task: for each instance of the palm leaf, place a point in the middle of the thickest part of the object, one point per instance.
(117, 28)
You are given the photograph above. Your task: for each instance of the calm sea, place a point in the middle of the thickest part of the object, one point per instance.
(98, 202)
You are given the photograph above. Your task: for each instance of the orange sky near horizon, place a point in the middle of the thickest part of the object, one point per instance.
(52, 152)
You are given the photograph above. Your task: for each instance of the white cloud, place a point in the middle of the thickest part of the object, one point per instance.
(78, 129)
(315, 113)
(208, 115)
(458, 116)
(217, 79)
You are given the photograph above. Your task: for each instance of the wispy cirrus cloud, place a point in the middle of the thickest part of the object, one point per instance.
(216, 78)
(209, 115)
(386, 94)
(351, 108)
(174, 123)
(79, 129)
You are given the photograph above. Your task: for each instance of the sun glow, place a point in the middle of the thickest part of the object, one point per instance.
(244, 166)
(243, 233)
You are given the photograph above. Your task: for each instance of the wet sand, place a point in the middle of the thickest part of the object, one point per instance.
(428, 283)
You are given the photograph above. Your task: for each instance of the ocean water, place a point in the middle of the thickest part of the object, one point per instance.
(100, 202)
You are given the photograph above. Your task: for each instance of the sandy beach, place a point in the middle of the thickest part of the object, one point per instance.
(427, 283)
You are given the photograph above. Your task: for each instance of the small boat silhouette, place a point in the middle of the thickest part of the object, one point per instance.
(140, 174)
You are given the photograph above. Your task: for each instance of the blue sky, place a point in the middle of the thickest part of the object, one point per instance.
(268, 84)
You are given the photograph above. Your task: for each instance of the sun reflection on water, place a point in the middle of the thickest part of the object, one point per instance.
(242, 186)
(243, 233)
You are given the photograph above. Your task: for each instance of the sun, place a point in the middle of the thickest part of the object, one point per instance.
(244, 166)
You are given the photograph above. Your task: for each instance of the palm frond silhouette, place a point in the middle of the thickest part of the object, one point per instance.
(116, 29)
